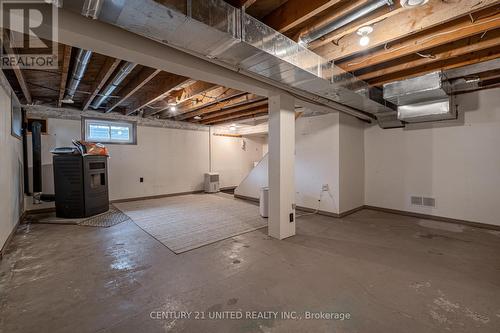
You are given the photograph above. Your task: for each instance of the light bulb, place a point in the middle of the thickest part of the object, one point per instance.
(232, 128)
(364, 41)
(173, 108)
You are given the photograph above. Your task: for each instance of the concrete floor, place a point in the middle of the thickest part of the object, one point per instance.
(390, 273)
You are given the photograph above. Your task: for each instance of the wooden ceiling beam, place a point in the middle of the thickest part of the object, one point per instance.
(180, 96)
(406, 23)
(468, 59)
(371, 19)
(64, 73)
(249, 106)
(472, 45)
(295, 12)
(229, 103)
(160, 87)
(209, 98)
(17, 70)
(237, 116)
(105, 73)
(462, 28)
(143, 77)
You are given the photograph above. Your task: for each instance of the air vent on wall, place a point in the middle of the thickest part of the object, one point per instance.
(422, 201)
(429, 202)
(416, 201)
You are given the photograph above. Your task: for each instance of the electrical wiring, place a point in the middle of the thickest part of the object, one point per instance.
(389, 50)
(317, 209)
(425, 55)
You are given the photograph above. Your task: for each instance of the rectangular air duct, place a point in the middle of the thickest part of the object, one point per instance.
(443, 109)
(421, 99)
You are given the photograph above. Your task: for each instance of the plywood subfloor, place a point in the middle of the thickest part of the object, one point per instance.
(183, 223)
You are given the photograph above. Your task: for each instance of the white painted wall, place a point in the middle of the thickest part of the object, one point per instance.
(316, 163)
(169, 160)
(352, 163)
(233, 160)
(458, 164)
(11, 173)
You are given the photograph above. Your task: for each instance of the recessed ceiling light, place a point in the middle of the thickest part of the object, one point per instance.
(197, 118)
(173, 108)
(413, 3)
(232, 127)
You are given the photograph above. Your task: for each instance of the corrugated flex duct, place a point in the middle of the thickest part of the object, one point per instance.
(219, 31)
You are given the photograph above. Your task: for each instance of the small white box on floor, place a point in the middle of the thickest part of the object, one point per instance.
(211, 182)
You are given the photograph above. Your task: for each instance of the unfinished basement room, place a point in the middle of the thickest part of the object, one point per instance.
(250, 166)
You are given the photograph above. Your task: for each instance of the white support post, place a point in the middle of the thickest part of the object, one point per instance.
(281, 166)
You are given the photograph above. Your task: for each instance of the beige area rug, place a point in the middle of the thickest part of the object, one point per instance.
(186, 222)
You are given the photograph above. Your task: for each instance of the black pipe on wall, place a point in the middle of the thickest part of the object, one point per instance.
(36, 137)
(25, 155)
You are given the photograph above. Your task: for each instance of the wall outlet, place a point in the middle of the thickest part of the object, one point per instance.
(325, 188)
(141, 180)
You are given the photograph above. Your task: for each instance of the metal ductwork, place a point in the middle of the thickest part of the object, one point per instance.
(421, 99)
(81, 62)
(124, 70)
(91, 8)
(218, 32)
(343, 20)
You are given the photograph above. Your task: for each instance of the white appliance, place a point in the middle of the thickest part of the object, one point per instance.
(264, 202)
(211, 182)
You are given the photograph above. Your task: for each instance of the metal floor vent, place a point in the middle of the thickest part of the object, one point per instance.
(422, 201)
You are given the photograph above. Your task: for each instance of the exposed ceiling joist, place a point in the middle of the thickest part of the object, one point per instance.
(406, 23)
(211, 97)
(17, 70)
(159, 88)
(249, 106)
(64, 73)
(444, 35)
(295, 12)
(207, 99)
(467, 46)
(237, 116)
(143, 77)
(219, 106)
(105, 73)
(182, 95)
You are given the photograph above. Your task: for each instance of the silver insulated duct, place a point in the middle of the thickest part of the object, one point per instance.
(124, 70)
(344, 20)
(421, 99)
(81, 62)
(213, 29)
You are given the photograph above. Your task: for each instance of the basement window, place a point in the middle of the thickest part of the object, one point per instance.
(109, 131)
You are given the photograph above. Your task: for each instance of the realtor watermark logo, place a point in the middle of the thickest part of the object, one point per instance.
(29, 34)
